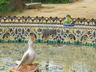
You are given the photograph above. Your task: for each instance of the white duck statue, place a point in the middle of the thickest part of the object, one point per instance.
(28, 56)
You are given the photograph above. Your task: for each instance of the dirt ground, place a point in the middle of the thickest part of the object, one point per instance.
(83, 8)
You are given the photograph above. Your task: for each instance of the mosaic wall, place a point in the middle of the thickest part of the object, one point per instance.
(49, 35)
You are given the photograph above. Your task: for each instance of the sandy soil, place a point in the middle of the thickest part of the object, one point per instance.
(85, 8)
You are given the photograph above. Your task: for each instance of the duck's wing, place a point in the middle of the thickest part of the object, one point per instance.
(24, 59)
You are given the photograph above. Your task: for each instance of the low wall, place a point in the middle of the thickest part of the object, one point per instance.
(48, 33)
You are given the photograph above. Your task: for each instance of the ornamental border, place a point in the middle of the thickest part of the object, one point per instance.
(45, 20)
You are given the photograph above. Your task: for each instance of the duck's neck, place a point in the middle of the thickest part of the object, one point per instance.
(30, 47)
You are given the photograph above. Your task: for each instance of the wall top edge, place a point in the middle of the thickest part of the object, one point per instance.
(47, 25)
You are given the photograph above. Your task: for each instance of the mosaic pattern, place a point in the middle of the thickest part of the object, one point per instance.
(49, 35)
(45, 20)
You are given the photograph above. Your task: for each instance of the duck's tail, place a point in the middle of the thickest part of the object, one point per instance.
(17, 62)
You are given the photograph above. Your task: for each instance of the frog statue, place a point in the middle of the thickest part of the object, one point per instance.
(68, 21)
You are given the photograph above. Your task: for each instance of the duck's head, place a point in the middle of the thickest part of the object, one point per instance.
(30, 42)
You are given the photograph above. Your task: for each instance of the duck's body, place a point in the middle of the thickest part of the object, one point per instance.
(28, 56)
(31, 56)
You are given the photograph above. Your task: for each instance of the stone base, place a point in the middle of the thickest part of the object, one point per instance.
(25, 68)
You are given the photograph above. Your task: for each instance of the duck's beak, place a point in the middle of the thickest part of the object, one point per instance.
(32, 38)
